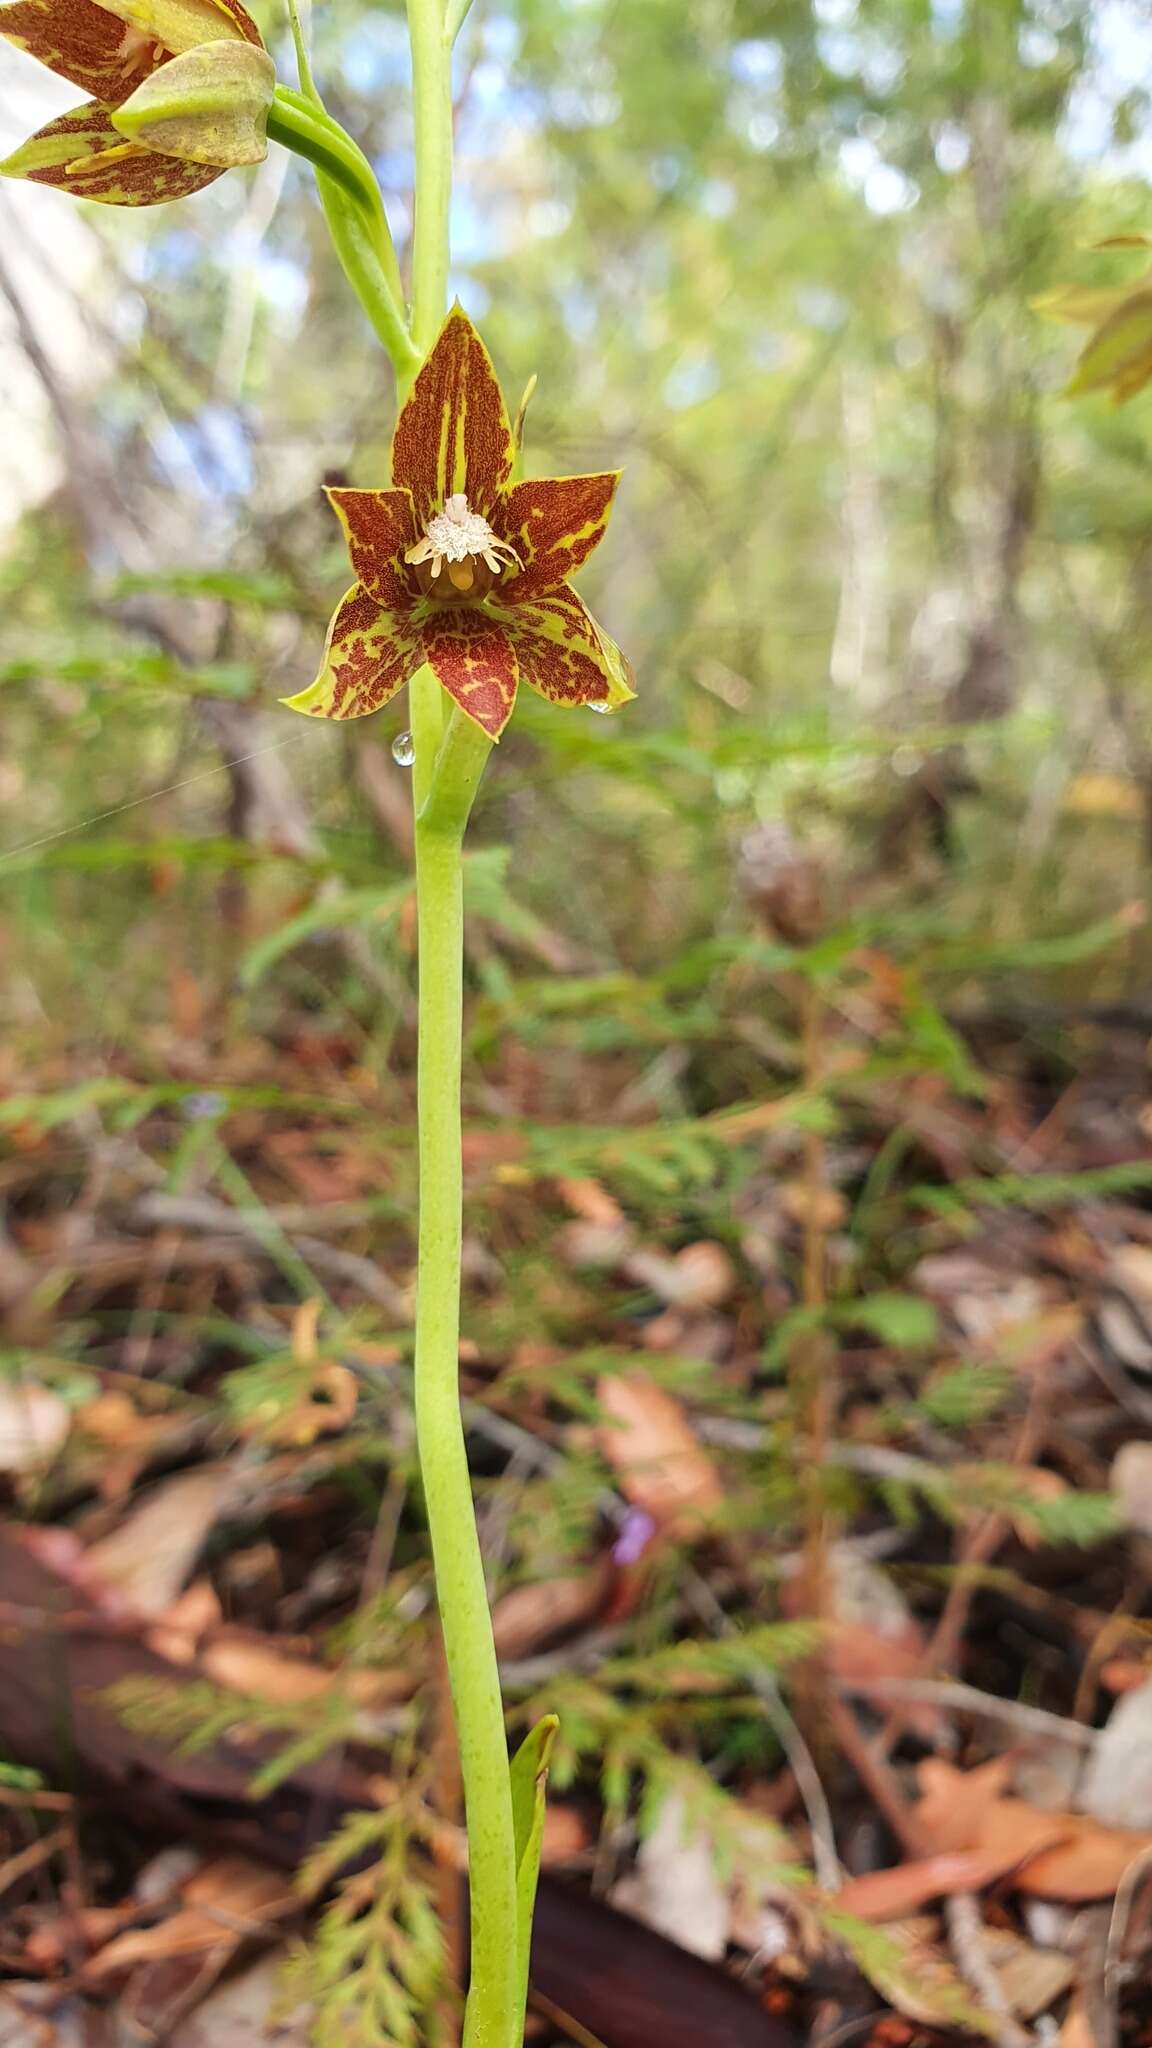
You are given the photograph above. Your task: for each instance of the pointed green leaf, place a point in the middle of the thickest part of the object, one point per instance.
(529, 1773)
(1119, 355)
(1080, 305)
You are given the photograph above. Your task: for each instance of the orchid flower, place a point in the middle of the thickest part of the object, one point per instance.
(222, 81)
(463, 569)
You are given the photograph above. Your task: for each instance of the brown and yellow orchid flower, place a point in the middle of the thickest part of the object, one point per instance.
(113, 49)
(464, 569)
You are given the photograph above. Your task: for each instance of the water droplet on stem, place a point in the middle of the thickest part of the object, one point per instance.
(404, 750)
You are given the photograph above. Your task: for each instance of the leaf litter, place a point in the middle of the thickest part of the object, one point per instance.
(204, 1492)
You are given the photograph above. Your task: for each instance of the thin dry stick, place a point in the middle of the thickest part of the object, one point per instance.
(814, 1385)
(966, 1936)
(879, 1781)
(29, 1859)
(825, 1859)
(977, 1548)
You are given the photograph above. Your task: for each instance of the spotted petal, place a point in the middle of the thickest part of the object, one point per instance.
(370, 653)
(179, 25)
(107, 51)
(453, 432)
(378, 526)
(562, 651)
(82, 153)
(472, 657)
(554, 523)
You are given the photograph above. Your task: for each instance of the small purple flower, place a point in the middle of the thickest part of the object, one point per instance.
(636, 1532)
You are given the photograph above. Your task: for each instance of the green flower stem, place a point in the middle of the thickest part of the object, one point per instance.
(494, 2013)
(432, 115)
(447, 772)
(354, 210)
(446, 781)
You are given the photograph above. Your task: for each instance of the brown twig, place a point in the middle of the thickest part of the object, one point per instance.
(966, 1937)
(879, 1781)
(812, 1372)
(977, 1547)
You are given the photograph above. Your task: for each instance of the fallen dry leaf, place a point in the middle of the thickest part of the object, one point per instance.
(566, 1835)
(142, 1566)
(190, 1616)
(648, 1440)
(986, 1300)
(874, 1635)
(813, 1207)
(327, 1405)
(246, 2011)
(127, 1440)
(34, 1423)
(1124, 1312)
(1078, 2030)
(953, 1803)
(915, 1976)
(536, 1613)
(1131, 1483)
(700, 1276)
(592, 1203)
(893, 1894)
(49, 1945)
(1117, 1782)
(224, 1902)
(862, 1658)
(1125, 1674)
(1051, 1855)
(1031, 1978)
(253, 1664)
(676, 1888)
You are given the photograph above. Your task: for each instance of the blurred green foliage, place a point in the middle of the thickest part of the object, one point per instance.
(779, 262)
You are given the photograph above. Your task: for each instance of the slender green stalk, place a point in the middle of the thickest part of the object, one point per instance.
(448, 768)
(494, 2011)
(445, 784)
(432, 116)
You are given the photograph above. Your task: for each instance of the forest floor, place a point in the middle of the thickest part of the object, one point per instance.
(814, 1468)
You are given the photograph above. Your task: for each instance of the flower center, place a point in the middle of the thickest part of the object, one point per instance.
(138, 47)
(460, 558)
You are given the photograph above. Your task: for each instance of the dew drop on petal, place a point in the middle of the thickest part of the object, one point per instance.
(404, 749)
(601, 706)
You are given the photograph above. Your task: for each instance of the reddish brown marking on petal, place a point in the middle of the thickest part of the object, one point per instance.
(370, 654)
(82, 43)
(554, 523)
(453, 432)
(239, 14)
(378, 526)
(93, 48)
(558, 648)
(82, 153)
(473, 660)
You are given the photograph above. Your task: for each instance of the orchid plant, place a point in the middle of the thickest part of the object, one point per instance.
(461, 592)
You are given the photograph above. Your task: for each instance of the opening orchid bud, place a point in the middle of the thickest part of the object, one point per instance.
(208, 106)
